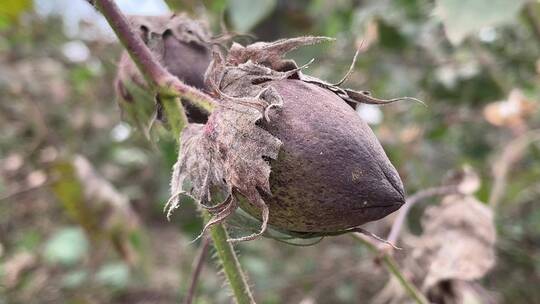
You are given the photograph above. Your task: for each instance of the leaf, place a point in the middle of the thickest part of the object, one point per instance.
(115, 275)
(96, 204)
(74, 279)
(458, 241)
(245, 14)
(456, 248)
(462, 18)
(11, 9)
(67, 246)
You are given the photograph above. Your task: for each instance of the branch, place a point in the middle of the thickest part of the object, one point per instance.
(392, 267)
(532, 20)
(512, 153)
(411, 201)
(199, 263)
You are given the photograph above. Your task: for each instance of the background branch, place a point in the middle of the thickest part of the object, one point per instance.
(197, 268)
(392, 266)
(512, 153)
(393, 236)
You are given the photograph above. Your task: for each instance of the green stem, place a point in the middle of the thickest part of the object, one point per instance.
(176, 117)
(170, 89)
(231, 265)
(393, 268)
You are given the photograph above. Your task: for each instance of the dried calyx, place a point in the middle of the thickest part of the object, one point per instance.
(287, 148)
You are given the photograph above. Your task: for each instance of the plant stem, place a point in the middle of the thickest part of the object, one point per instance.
(393, 268)
(513, 151)
(198, 266)
(393, 236)
(230, 263)
(170, 89)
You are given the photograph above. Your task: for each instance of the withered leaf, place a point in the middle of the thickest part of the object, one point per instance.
(455, 248)
(458, 240)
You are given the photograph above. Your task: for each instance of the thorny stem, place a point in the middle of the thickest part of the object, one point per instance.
(198, 266)
(230, 263)
(392, 267)
(170, 89)
(411, 201)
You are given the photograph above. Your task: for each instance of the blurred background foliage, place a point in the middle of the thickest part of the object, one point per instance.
(81, 192)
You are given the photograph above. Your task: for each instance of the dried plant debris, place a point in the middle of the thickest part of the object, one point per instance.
(271, 54)
(285, 148)
(181, 44)
(456, 248)
(458, 241)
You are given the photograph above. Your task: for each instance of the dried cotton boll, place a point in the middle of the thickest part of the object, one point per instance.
(181, 44)
(287, 148)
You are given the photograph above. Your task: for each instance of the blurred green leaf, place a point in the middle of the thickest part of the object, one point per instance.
(67, 246)
(74, 279)
(70, 192)
(245, 14)
(11, 9)
(29, 240)
(462, 18)
(115, 275)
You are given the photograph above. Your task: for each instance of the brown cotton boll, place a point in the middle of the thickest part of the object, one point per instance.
(178, 42)
(331, 173)
(286, 148)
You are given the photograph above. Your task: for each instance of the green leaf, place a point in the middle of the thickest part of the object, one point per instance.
(115, 275)
(67, 246)
(74, 279)
(13, 8)
(462, 18)
(245, 14)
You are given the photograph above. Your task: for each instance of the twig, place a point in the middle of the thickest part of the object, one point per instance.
(392, 267)
(510, 155)
(24, 190)
(198, 266)
(170, 89)
(532, 20)
(411, 201)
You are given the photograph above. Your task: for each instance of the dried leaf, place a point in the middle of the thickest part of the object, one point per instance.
(15, 266)
(512, 112)
(456, 248)
(457, 242)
